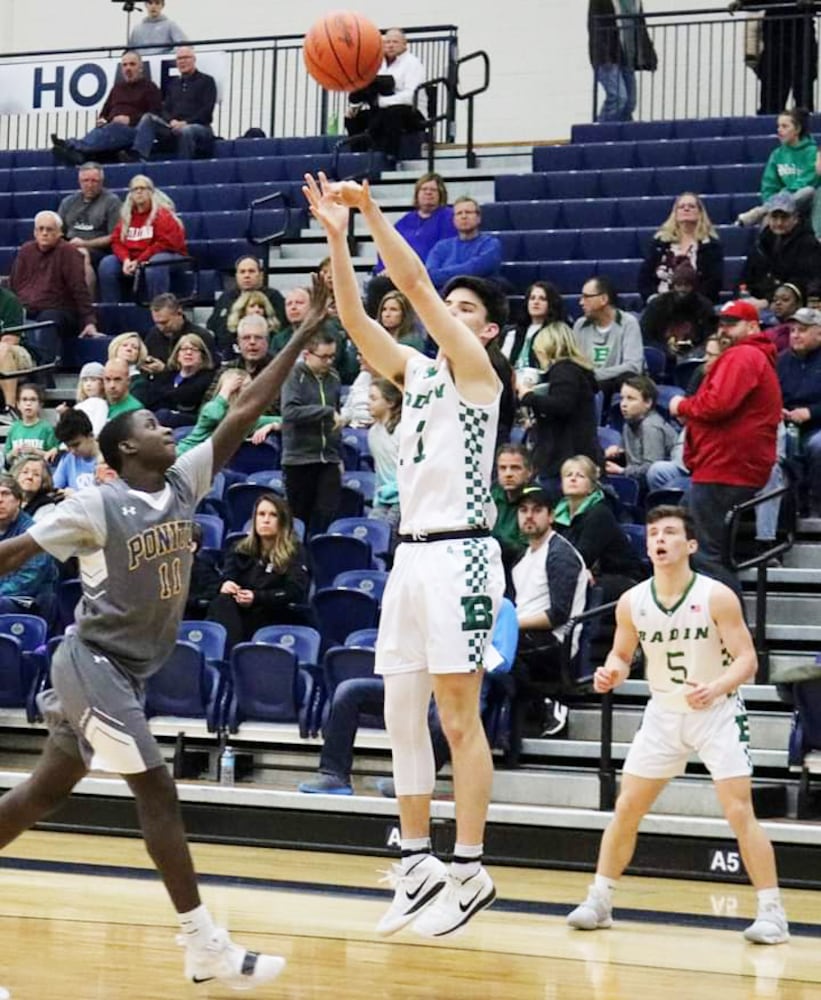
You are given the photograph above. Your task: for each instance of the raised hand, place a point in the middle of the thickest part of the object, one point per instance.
(325, 206)
(320, 301)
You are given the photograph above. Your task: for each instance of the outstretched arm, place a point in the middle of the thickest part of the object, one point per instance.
(378, 348)
(256, 397)
(16, 551)
(468, 357)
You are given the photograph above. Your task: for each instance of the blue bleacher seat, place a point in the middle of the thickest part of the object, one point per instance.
(35, 179)
(257, 147)
(608, 436)
(344, 663)
(719, 208)
(262, 170)
(297, 166)
(209, 637)
(602, 132)
(7, 255)
(194, 222)
(573, 184)
(250, 458)
(637, 183)
(185, 199)
(30, 630)
(373, 530)
(534, 214)
(171, 172)
(267, 685)
(33, 158)
(644, 131)
(637, 536)
(26, 204)
(342, 611)
(223, 225)
(495, 216)
(362, 480)
(331, 554)
(213, 530)
(302, 640)
(609, 155)
(586, 214)
(362, 637)
(307, 145)
(186, 686)
(372, 581)
(546, 158)
(522, 187)
(81, 350)
(511, 245)
(229, 197)
(752, 125)
(224, 148)
(240, 499)
(17, 676)
(215, 172)
(656, 362)
(671, 181)
(607, 243)
(736, 179)
(715, 152)
(700, 128)
(5, 180)
(567, 275)
(757, 149)
(664, 153)
(736, 241)
(521, 276)
(548, 244)
(6, 207)
(641, 212)
(623, 273)
(733, 267)
(351, 501)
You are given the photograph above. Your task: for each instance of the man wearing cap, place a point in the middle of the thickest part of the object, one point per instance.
(550, 587)
(785, 250)
(732, 422)
(799, 372)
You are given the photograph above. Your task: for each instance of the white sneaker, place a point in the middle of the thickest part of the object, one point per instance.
(230, 964)
(415, 889)
(769, 927)
(460, 900)
(593, 913)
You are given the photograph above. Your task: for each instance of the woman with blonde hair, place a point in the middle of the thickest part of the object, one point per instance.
(563, 403)
(686, 235)
(177, 392)
(131, 348)
(252, 302)
(149, 230)
(265, 577)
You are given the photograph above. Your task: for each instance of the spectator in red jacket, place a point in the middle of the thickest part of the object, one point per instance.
(731, 424)
(149, 230)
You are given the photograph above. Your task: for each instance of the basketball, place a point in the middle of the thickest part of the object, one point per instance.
(343, 51)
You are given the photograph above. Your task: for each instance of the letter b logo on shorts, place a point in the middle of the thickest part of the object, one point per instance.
(478, 612)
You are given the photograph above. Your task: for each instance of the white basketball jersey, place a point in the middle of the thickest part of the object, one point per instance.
(446, 450)
(681, 644)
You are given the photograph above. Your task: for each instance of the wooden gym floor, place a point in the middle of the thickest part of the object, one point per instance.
(85, 918)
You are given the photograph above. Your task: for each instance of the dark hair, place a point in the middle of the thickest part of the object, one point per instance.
(286, 545)
(166, 300)
(669, 510)
(112, 436)
(321, 337)
(72, 424)
(440, 184)
(813, 289)
(31, 387)
(800, 117)
(512, 448)
(556, 312)
(393, 397)
(8, 482)
(249, 256)
(645, 385)
(605, 286)
(489, 293)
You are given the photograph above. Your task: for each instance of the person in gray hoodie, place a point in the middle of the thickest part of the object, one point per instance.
(646, 435)
(610, 338)
(155, 34)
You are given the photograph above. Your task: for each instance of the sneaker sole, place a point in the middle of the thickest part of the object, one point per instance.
(412, 914)
(602, 925)
(324, 791)
(771, 939)
(482, 904)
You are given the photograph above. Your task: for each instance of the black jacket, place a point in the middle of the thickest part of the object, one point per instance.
(709, 267)
(272, 591)
(190, 99)
(159, 391)
(602, 544)
(773, 260)
(604, 41)
(160, 347)
(218, 320)
(565, 411)
(689, 316)
(309, 405)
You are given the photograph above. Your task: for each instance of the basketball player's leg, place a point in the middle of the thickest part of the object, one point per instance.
(735, 796)
(50, 783)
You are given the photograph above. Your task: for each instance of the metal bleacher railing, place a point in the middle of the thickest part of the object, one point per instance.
(709, 59)
(265, 86)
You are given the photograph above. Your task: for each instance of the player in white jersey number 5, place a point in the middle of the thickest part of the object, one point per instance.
(447, 581)
(697, 651)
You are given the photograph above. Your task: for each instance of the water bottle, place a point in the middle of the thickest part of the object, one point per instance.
(744, 292)
(792, 445)
(227, 766)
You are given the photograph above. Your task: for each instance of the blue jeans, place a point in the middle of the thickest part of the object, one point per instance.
(667, 475)
(105, 139)
(619, 84)
(112, 280)
(189, 141)
(812, 451)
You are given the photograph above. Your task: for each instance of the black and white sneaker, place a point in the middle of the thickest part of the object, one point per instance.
(459, 902)
(555, 718)
(414, 889)
(230, 964)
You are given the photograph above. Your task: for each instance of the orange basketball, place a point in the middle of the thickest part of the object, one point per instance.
(343, 51)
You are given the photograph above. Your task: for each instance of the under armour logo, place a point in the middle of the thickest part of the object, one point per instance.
(99, 659)
(128, 510)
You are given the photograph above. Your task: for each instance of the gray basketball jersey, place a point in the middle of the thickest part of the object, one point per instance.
(135, 561)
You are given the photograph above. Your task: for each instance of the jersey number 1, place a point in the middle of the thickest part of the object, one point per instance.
(170, 579)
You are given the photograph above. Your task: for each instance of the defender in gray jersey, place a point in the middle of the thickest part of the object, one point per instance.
(132, 537)
(447, 580)
(697, 651)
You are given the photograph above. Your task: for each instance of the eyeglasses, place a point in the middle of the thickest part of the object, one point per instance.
(140, 187)
(323, 357)
(591, 295)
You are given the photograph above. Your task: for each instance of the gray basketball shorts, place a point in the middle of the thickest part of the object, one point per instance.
(95, 712)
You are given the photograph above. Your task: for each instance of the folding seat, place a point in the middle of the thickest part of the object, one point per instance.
(8, 231)
(602, 132)
(194, 226)
(7, 255)
(596, 244)
(655, 362)
(573, 184)
(312, 145)
(171, 172)
(718, 206)
(297, 166)
(302, 640)
(224, 225)
(224, 149)
(567, 275)
(717, 152)
(213, 530)
(82, 350)
(117, 175)
(637, 183)
(546, 158)
(209, 637)
(608, 436)
(345, 663)
(553, 244)
(511, 245)
(733, 267)
(17, 677)
(229, 197)
(672, 181)
(371, 581)
(267, 685)
(513, 187)
(736, 241)
(642, 212)
(608, 155)
(631, 302)
(6, 207)
(184, 687)
(210, 283)
(7, 158)
(664, 153)
(647, 131)
(699, 128)
(353, 165)
(240, 499)
(257, 147)
(362, 480)
(735, 178)
(533, 214)
(262, 169)
(331, 554)
(753, 125)
(222, 254)
(36, 179)
(342, 611)
(362, 637)
(184, 198)
(214, 172)
(758, 149)
(122, 317)
(741, 201)
(623, 273)
(26, 204)
(495, 216)
(5, 180)
(637, 536)
(373, 530)
(588, 213)
(351, 501)
(626, 489)
(666, 393)
(520, 276)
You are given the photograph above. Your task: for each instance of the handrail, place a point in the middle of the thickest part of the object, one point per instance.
(280, 234)
(470, 155)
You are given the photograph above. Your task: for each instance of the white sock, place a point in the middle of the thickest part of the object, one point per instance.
(604, 886)
(467, 859)
(412, 849)
(769, 897)
(197, 926)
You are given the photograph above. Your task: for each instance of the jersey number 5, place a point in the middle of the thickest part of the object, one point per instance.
(678, 671)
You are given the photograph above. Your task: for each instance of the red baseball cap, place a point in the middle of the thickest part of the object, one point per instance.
(738, 310)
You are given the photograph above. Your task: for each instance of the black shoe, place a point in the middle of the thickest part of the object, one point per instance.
(762, 546)
(129, 156)
(66, 154)
(555, 718)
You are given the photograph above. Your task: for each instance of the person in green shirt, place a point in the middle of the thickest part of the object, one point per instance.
(30, 433)
(514, 469)
(11, 309)
(115, 386)
(231, 382)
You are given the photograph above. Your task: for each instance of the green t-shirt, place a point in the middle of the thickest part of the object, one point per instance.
(30, 437)
(125, 405)
(210, 416)
(11, 311)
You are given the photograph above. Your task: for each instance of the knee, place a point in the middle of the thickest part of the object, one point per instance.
(154, 791)
(739, 813)
(629, 812)
(146, 119)
(458, 725)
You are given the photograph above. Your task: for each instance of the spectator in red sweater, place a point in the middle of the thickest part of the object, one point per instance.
(48, 277)
(149, 230)
(130, 98)
(731, 422)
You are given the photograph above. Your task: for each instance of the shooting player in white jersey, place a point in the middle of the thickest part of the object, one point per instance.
(447, 581)
(133, 538)
(697, 651)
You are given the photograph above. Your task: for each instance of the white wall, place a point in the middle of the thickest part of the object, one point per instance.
(540, 75)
